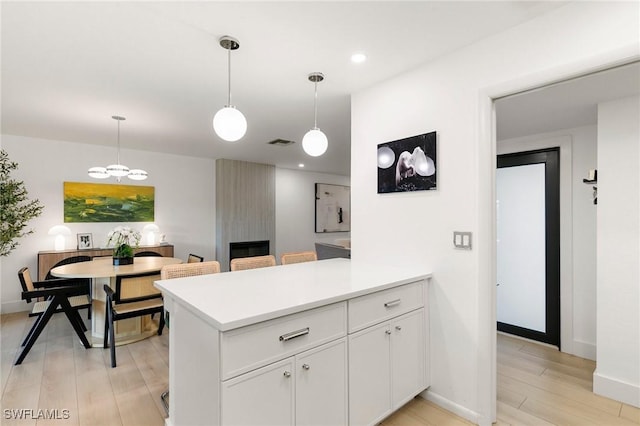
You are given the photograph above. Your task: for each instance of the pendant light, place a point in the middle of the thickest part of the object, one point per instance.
(314, 141)
(117, 170)
(229, 123)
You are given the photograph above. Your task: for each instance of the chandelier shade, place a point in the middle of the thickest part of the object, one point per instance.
(314, 142)
(98, 173)
(117, 170)
(229, 123)
(137, 174)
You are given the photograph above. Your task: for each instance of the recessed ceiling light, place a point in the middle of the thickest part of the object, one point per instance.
(358, 58)
(301, 165)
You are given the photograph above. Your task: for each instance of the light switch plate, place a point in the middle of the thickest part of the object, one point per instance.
(462, 240)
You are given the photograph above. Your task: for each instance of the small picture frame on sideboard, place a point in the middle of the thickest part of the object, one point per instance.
(85, 241)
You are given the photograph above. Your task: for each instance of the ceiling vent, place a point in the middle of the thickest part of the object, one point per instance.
(281, 142)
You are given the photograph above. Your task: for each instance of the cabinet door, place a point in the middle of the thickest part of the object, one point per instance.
(369, 375)
(407, 357)
(260, 397)
(321, 385)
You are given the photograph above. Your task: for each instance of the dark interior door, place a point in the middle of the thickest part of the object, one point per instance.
(528, 244)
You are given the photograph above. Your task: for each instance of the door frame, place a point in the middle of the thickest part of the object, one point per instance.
(486, 164)
(551, 158)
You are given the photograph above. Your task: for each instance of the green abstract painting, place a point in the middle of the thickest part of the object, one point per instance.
(99, 202)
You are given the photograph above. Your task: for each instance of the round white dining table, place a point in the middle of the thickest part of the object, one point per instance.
(102, 271)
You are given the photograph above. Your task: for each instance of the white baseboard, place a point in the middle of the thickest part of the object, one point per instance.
(12, 307)
(584, 350)
(456, 409)
(616, 389)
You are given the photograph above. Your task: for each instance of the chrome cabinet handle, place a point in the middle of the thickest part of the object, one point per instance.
(288, 336)
(305, 366)
(398, 328)
(387, 332)
(392, 303)
(287, 374)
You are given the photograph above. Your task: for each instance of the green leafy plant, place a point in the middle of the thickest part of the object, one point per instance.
(16, 210)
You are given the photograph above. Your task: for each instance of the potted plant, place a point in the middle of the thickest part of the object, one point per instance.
(16, 210)
(123, 239)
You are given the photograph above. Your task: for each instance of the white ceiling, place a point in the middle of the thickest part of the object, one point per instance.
(564, 105)
(67, 67)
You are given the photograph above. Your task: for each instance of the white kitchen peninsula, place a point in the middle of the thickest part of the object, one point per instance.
(329, 342)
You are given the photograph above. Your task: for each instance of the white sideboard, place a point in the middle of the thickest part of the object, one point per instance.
(331, 342)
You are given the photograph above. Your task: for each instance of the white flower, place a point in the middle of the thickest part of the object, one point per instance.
(123, 235)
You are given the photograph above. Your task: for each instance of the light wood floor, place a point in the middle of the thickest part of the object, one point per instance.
(536, 385)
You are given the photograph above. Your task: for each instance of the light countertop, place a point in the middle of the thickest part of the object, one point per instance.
(235, 299)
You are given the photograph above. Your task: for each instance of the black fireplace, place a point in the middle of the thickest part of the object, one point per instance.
(248, 249)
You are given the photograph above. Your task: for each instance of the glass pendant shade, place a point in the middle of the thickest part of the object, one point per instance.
(315, 142)
(117, 170)
(229, 124)
(98, 173)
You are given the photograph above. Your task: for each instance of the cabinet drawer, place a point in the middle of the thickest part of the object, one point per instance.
(373, 308)
(256, 345)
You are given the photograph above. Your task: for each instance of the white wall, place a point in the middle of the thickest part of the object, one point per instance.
(451, 96)
(617, 372)
(184, 200)
(577, 232)
(295, 210)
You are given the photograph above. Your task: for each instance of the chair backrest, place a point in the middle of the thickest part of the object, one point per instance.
(68, 260)
(136, 287)
(242, 263)
(330, 251)
(25, 280)
(298, 257)
(189, 269)
(147, 254)
(194, 258)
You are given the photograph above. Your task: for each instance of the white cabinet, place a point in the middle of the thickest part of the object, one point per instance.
(307, 389)
(386, 367)
(321, 385)
(408, 359)
(261, 397)
(332, 342)
(369, 375)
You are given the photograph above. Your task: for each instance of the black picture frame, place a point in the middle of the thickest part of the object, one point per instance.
(408, 164)
(85, 241)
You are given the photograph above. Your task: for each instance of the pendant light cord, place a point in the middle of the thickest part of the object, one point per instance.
(315, 106)
(229, 73)
(118, 155)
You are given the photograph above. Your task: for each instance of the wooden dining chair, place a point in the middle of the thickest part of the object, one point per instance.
(298, 257)
(182, 270)
(194, 258)
(242, 263)
(147, 254)
(67, 295)
(134, 296)
(80, 281)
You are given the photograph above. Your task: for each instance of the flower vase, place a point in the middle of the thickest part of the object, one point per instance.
(123, 255)
(118, 261)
